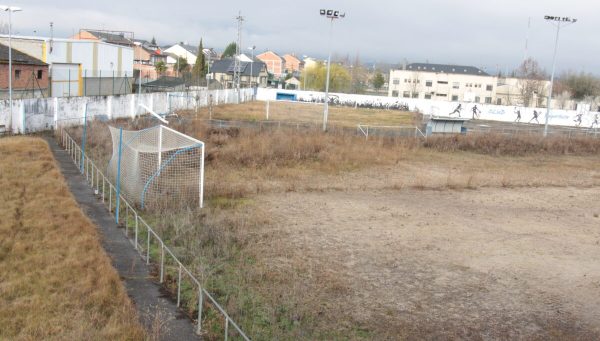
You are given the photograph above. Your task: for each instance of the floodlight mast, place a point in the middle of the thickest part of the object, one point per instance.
(559, 20)
(329, 14)
(10, 10)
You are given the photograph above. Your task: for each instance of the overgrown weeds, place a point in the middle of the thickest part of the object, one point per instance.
(56, 281)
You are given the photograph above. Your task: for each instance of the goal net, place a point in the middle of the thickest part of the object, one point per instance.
(159, 167)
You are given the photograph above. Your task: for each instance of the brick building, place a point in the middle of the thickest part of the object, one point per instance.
(29, 75)
(293, 65)
(275, 63)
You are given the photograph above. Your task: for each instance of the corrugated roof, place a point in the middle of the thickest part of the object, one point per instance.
(446, 68)
(18, 57)
(111, 38)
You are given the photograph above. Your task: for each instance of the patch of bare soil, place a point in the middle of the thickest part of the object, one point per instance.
(487, 264)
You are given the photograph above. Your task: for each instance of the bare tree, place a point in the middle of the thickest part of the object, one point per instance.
(531, 82)
(414, 83)
(563, 98)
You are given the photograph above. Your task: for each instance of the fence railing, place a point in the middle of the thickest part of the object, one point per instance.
(407, 131)
(144, 239)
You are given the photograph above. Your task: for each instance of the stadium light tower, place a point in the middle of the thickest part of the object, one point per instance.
(557, 21)
(329, 14)
(10, 10)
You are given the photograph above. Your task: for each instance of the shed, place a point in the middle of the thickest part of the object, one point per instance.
(446, 125)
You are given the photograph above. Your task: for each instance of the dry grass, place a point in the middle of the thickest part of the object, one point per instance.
(56, 282)
(227, 241)
(308, 112)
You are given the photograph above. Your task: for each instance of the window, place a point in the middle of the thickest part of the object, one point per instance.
(428, 83)
(442, 82)
(17, 74)
(477, 99)
(396, 81)
(455, 85)
(427, 96)
(40, 74)
(415, 95)
(405, 80)
(442, 95)
(406, 94)
(394, 93)
(455, 98)
(488, 100)
(489, 87)
(499, 101)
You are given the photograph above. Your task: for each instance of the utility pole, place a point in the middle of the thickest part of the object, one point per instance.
(10, 11)
(330, 14)
(238, 50)
(558, 21)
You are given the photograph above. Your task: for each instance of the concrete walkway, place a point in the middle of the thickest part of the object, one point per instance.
(158, 314)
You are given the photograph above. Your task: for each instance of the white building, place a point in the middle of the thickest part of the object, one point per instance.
(80, 67)
(182, 50)
(460, 84)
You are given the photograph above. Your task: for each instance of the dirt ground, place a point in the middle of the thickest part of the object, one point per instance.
(490, 263)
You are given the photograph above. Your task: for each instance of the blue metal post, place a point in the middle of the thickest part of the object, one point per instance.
(83, 138)
(119, 175)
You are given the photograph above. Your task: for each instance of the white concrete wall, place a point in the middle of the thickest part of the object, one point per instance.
(443, 108)
(31, 115)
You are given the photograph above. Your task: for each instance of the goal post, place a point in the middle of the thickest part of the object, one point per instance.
(159, 167)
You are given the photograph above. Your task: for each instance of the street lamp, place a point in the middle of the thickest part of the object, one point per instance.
(557, 21)
(252, 63)
(10, 10)
(304, 69)
(330, 14)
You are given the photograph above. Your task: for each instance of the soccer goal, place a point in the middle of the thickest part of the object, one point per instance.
(158, 166)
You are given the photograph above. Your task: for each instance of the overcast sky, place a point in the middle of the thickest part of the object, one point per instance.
(480, 33)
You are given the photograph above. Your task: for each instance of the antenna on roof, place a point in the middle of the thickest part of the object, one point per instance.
(51, 36)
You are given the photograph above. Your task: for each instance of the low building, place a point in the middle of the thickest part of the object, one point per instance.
(275, 63)
(252, 74)
(80, 67)
(29, 75)
(460, 83)
(164, 84)
(310, 62)
(292, 83)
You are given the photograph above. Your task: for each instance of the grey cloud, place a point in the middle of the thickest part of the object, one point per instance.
(481, 33)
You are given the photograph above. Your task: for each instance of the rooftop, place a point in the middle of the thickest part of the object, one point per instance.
(446, 68)
(228, 66)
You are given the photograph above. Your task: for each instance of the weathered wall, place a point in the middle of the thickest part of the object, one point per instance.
(444, 108)
(30, 115)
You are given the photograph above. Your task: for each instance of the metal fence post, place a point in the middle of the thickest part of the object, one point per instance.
(83, 138)
(148, 246)
(179, 286)
(199, 327)
(136, 230)
(118, 189)
(162, 261)
(126, 220)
